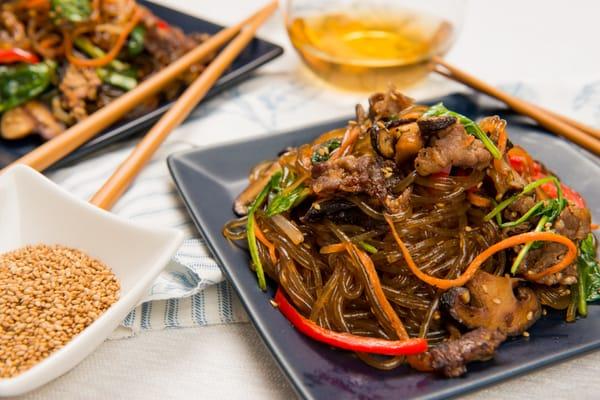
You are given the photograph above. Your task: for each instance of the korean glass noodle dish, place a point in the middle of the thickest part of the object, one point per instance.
(416, 235)
(61, 60)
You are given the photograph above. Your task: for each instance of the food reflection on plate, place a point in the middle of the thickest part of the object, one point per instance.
(61, 60)
(416, 235)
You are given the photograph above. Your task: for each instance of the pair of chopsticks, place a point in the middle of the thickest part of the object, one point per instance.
(577, 132)
(60, 146)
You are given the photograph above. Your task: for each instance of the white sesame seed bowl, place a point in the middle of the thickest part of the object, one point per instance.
(34, 211)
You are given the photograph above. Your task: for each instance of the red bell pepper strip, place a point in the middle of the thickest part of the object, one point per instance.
(160, 24)
(9, 56)
(348, 341)
(521, 164)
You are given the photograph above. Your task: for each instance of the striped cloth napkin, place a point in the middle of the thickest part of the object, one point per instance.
(192, 291)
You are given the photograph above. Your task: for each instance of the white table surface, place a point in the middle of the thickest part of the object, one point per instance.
(547, 41)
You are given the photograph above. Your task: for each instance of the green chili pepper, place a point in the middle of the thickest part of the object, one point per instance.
(471, 126)
(71, 10)
(23, 82)
(135, 44)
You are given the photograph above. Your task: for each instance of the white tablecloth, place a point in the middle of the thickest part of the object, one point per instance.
(546, 41)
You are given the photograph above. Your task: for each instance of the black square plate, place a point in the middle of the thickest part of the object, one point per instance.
(210, 179)
(257, 53)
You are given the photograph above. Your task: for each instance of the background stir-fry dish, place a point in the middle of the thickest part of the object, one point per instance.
(416, 235)
(61, 60)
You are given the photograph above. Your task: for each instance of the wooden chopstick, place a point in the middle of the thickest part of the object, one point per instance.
(60, 146)
(585, 136)
(116, 185)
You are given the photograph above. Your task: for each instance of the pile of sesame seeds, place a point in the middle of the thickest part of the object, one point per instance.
(48, 294)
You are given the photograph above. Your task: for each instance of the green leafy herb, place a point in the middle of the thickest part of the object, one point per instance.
(135, 44)
(250, 233)
(550, 210)
(589, 269)
(323, 152)
(283, 202)
(526, 190)
(367, 247)
(71, 10)
(23, 82)
(471, 126)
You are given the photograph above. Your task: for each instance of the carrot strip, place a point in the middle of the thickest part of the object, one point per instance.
(478, 201)
(263, 239)
(111, 55)
(333, 248)
(482, 257)
(350, 137)
(378, 290)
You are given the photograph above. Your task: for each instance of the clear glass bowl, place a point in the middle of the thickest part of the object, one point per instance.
(366, 45)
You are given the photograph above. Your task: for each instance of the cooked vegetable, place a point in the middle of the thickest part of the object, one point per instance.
(10, 56)
(116, 79)
(31, 117)
(470, 126)
(24, 82)
(489, 301)
(135, 44)
(589, 274)
(250, 228)
(71, 10)
(348, 341)
(324, 150)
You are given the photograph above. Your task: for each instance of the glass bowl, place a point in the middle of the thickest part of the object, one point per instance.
(366, 45)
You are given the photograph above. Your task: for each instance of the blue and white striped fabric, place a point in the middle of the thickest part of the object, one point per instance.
(191, 291)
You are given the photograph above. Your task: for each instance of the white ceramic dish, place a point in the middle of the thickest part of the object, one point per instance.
(35, 210)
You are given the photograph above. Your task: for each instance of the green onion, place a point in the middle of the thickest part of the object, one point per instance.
(283, 202)
(527, 189)
(471, 126)
(582, 291)
(116, 79)
(135, 44)
(252, 245)
(367, 247)
(89, 48)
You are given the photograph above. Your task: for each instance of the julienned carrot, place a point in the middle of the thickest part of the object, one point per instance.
(375, 284)
(348, 141)
(111, 55)
(482, 257)
(478, 201)
(263, 239)
(333, 248)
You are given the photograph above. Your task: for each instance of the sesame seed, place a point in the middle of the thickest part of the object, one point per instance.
(496, 300)
(54, 292)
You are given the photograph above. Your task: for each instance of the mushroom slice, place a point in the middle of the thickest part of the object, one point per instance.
(433, 124)
(383, 140)
(409, 142)
(46, 123)
(489, 301)
(16, 124)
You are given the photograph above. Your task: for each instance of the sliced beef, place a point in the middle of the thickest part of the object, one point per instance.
(451, 357)
(78, 86)
(505, 179)
(388, 104)
(452, 146)
(362, 174)
(574, 223)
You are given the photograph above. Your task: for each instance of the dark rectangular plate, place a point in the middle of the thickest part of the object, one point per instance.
(256, 54)
(210, 179)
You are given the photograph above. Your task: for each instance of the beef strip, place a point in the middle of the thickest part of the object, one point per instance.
(78, 86)
(388, 104)
(451, 357)
(362, 174)
(574, 223)
(452, 146)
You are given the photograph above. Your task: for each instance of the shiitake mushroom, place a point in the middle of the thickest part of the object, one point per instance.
(489, 301)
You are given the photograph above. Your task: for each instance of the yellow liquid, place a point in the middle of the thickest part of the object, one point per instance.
(368, 52)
